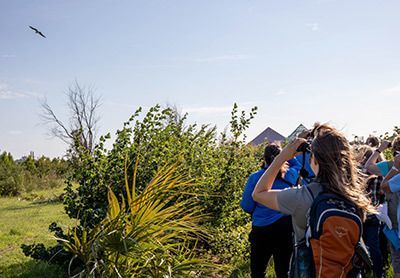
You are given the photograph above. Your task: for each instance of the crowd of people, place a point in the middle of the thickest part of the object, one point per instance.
(323, 207)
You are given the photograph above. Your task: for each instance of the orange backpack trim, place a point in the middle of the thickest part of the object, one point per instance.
(335, 248)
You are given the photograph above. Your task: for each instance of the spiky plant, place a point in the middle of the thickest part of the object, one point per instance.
(150, 234)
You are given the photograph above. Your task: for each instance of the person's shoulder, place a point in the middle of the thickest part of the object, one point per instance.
(383, 163)
(314, 187)
(257, 174)
(315, 184)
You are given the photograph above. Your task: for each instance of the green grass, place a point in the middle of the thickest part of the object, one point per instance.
(25, 219)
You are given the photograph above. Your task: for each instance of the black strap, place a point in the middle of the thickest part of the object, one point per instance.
(303, 173)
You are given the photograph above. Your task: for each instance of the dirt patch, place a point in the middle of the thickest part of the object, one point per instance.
(6, 250)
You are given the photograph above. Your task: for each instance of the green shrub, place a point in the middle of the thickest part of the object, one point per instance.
(162, 137)
(218, 163)
(11, 176)
(151, 234)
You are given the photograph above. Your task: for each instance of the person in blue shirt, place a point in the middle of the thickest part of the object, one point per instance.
(271, 233)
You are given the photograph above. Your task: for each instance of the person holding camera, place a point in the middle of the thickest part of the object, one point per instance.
(271, 233)
(336, 172)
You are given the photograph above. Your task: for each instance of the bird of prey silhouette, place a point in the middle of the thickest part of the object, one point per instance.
(37, 31)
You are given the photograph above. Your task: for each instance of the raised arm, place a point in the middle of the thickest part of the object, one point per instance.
(393, 172)
(370, 165)
(263, 193)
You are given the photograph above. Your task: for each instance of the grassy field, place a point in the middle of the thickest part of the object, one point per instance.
(25, 219)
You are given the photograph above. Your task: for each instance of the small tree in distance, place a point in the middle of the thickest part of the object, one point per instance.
(81, 128)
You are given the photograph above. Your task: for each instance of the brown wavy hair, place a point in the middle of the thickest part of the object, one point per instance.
(362, 153)
(372, 141)
(337, 167)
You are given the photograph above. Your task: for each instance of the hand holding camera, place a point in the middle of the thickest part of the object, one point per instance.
(292, 148)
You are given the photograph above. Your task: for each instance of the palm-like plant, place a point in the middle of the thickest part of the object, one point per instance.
(153, 233)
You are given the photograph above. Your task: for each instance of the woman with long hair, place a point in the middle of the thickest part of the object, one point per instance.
(336, 172)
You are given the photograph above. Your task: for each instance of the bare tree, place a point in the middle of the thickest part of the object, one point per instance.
(82, 124)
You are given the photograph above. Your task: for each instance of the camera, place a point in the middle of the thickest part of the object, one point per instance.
(304, 147)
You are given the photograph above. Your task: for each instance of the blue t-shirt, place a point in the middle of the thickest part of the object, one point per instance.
(294, 163)
(260, 214)
(393, 206)
(383, 167)
(394, 183)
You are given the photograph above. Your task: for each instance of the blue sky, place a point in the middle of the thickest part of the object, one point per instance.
(298, 61)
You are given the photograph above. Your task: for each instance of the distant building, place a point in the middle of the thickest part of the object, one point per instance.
(268, 135)
(271, 136)
(25, 157)
(298, 130)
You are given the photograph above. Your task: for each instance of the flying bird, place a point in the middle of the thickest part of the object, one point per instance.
(37, 31)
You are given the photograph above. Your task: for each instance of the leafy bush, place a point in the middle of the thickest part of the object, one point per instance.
(11, 176)
(218, 163)
(161, 137)
(151, 234)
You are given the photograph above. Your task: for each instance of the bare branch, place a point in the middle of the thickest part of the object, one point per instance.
(49, 116)
(83, 120)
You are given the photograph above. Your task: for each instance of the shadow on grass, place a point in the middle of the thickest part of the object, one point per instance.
(32, 269)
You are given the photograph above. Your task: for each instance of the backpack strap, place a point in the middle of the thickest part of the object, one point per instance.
(308, 229)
